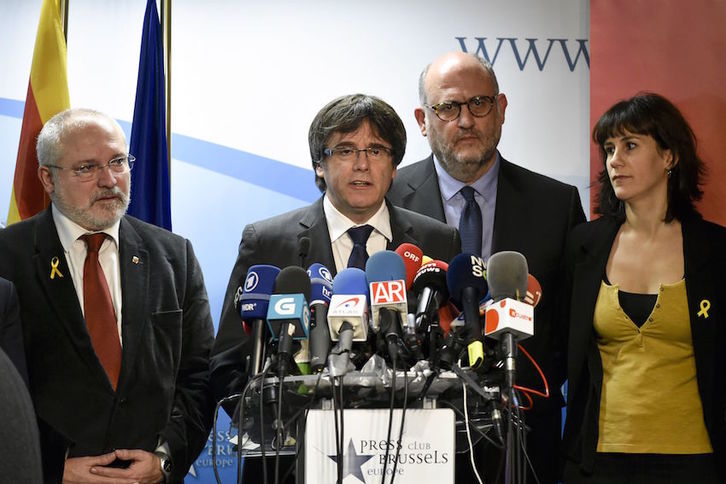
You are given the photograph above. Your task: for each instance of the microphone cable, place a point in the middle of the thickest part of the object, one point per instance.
(338, 435)
(390, 418)
(301, 437)
(214, 433)
(468, 434)
(400, 431)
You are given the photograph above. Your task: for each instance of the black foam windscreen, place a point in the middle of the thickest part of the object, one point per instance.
(507, 274)
(293, 280)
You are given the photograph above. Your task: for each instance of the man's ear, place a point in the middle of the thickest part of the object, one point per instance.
(420, 115)
(46, 179)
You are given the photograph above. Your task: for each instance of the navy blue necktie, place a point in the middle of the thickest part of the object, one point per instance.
(359, 255)
(470, 223)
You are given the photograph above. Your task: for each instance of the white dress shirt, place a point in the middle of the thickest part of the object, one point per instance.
(338, 225)
(74, 249)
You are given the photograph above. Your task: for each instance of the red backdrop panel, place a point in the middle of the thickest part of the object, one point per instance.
(673, 48)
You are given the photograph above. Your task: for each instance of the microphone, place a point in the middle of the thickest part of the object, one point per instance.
(288, 316)
(347, 317)
(429, 284)
(303, 247)
(253, 304)
(508, 282)
(467, 285)
(411, 256)
(322, 289)
(386, 274)
(508, 318)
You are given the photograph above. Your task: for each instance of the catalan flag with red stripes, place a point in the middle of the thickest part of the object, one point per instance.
(47, 96)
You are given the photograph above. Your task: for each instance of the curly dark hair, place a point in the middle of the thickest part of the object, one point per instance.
(653, 115)
(345, 115)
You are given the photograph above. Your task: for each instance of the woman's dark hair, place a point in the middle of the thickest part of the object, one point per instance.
(652, 114)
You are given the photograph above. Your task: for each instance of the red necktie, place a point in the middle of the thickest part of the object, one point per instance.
(98, 308)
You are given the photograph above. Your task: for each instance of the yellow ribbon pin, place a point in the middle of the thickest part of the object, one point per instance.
(54, 268)
(705, 306)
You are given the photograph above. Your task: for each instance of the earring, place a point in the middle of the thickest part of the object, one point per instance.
(669, 172)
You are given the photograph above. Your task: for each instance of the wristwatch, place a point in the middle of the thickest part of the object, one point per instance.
(166, 466)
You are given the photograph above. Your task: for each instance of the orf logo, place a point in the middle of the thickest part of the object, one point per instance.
(285, 306)
(251, 281)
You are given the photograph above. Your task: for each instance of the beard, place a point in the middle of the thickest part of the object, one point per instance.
(465, 167)
(111, 212)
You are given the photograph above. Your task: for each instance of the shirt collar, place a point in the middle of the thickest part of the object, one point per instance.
(69, 231)
(485, 185)
(338, 224)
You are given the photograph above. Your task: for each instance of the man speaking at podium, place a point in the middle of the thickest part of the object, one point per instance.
(356, 143)
(115, 317)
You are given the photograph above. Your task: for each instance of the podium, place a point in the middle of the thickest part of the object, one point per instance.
(434, 424)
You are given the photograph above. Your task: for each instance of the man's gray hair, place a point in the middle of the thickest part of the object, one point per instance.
(49, 146)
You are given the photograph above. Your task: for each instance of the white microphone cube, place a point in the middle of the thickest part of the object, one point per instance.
(509, 316)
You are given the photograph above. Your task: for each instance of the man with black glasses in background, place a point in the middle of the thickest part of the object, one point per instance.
(497, 206)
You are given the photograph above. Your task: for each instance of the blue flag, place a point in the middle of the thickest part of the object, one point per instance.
(150, 198)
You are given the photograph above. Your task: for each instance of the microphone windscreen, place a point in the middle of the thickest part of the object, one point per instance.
(385, 265)
(466, 270)
(321, 283)
(293, 280)
(432, 275)
(303, 246)
(350, 280)
(411, 256)
(258, 286)
(507, 273)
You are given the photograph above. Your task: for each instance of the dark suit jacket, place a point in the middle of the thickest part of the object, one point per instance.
(19, 444)
(533, 215)
(11, 332)
(275, 241)
(163, 390)
(705, 265)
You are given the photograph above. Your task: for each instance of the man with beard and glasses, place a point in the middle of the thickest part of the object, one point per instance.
(497, 206)
(115, 316)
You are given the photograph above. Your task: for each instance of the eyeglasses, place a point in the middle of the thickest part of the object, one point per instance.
(348, 153)
(89, 171)
(479, 106)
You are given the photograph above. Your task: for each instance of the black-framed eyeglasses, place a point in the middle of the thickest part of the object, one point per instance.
(479, 106)
(350, 153)
(90, 171)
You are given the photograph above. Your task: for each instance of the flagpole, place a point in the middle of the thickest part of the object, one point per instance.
(166, 46)
(64, 5)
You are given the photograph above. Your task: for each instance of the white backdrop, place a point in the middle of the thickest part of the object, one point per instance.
(248, 77)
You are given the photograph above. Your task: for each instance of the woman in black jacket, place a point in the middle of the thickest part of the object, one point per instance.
(646, 309)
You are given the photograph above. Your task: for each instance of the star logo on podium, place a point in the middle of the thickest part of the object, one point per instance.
(352, 462)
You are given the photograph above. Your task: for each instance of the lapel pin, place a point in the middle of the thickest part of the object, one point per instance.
(135, 259)
(54, 268)
(705, 306)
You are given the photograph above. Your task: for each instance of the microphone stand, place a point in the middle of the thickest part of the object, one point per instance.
(509, 345)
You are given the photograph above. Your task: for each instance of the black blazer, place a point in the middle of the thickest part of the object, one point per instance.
(11, 332)
(276, 241)
(163, 390)
(705, 265)
(533, 215)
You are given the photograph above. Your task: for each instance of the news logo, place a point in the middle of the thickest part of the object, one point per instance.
(509, 316)
(289, 308)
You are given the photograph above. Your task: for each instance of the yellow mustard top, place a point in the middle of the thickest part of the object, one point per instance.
(649, 401)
